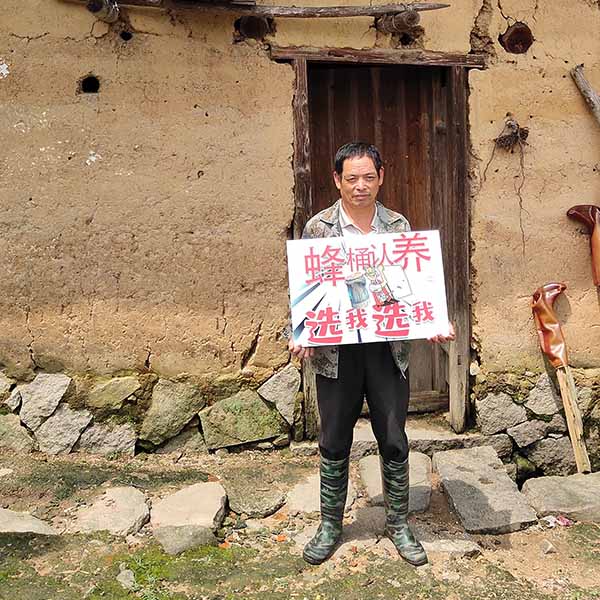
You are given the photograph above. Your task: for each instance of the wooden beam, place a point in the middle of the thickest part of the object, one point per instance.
(290, 12)
(587, 91)
(379, 56)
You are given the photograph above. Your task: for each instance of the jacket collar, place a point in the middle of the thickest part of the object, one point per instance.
(331, 215)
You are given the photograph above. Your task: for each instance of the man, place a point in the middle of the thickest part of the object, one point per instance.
(346, 373)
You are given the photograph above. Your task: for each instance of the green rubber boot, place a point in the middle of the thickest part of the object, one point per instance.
(394, 476)
(334, 488)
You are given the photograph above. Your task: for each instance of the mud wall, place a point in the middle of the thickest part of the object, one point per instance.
(143, 227)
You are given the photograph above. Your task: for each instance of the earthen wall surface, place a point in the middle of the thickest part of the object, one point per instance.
(143, 227)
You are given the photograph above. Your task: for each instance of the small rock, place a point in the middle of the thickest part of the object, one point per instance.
(5, 472)
(257, 499)
(20, 522)
(110, 395)
(543, 398)
(501, 443)
(127, 579)
(455, 548)
(304, 448)
(264, 446)
(282, 441)
(177, 539)
(497, 412)
(281, 390)
(58, 434)
(585, 400)
(529, 432)
(548, 548)
(221, 452)
(120, 510)
(41, 397)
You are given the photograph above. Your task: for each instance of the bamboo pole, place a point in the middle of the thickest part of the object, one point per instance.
(587, 91)
(568, 394)
(291, 12)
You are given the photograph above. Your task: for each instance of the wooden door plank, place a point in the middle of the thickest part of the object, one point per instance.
(460, 349)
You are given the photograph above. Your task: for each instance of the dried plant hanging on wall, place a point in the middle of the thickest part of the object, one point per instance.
(513, 136)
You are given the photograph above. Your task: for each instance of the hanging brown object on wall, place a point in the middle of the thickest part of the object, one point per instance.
(589, 214)
(552, 342)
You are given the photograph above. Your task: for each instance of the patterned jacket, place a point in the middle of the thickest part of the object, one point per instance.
(327, 224)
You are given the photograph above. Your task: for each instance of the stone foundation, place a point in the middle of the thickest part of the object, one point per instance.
(528, 408)
(58, 414)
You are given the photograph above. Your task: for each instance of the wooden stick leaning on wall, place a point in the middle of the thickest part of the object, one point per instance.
(553, 345)
(587, 91)
(291, 12)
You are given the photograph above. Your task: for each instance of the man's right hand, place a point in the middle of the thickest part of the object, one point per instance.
(300, 351)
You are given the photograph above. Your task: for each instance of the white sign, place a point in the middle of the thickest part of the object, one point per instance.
(367, 288)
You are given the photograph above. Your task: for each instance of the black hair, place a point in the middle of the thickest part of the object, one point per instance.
(357, 150)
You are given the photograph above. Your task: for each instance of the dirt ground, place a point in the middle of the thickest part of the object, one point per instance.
(262, 558)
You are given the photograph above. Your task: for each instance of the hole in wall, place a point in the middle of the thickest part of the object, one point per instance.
(90, 84)
(255, 28)
(517, 39)
(126, 35)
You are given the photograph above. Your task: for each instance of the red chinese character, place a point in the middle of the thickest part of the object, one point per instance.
(405, 246)
(385, 259)
(360, 258)
(422, 312)
(332, 264)
(391, 320)
(312, 267)
(356, 318)
(325, 328)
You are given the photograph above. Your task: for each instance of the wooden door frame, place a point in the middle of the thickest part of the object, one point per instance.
(299, 57)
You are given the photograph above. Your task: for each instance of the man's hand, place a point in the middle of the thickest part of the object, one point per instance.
(442, 339)
(300, 351)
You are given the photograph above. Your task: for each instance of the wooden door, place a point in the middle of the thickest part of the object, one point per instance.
(412, 115)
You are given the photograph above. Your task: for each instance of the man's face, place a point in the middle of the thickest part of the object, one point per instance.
(359, 182)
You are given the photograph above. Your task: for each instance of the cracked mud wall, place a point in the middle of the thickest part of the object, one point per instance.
(144, 227)
(517, 249)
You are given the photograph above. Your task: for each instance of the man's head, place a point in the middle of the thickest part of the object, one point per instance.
(358, 174)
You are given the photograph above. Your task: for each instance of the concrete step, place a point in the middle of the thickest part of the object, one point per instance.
(429, 435)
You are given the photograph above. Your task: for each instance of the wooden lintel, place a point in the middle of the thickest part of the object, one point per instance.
(292, 12)
(379, 56)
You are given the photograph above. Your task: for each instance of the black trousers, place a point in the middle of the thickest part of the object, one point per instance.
(364, 369)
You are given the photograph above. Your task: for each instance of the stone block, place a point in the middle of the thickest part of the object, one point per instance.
(41, 397)
(13, 435)
(241, 418)
(173, 405)
(119, 510)
(419, 478)
(576, 496)
(497, 412)
(543, 398)
(281, 390)
(553, 456)
(20, 522)
(104, 438)
(304, 497)
(481, 492)
(110, 395)
(58, 434)
(5, 385)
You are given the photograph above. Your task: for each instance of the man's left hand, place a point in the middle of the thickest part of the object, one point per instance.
(442, 339)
